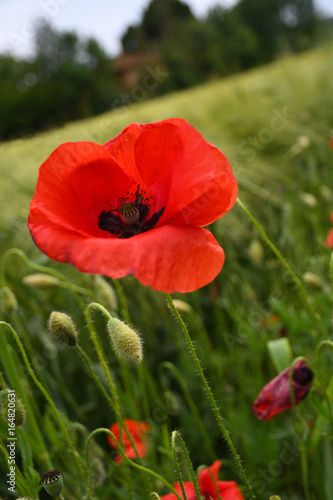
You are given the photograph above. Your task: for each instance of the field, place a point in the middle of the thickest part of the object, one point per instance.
(274, 125)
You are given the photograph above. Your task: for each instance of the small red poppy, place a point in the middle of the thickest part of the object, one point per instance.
(209, 486)
(329, 237)
(275, 396)
(136, 205)
(138, 431)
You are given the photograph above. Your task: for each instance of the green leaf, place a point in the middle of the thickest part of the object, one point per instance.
(280, 353)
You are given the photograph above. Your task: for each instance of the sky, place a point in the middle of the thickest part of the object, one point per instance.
(104, 20)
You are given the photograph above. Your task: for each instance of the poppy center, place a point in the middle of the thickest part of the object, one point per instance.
(133, 213)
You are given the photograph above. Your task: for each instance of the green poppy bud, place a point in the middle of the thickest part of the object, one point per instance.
(105, 293)
(256, 251)
(41, 280)
(53, 482)
(12, 406)
(8, 301)
(62, 328)
(126, 342)
(182, 307)
(312, 280)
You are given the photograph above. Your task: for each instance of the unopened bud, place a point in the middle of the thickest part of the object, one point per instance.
(41, 280)
(62, 328)
(182, 307)
(53, 482)
(308, 199)
(8, 301)
(275, 497)
(256, 252)
(11, 405)
(105, 293)
(125, 341)
(312, 280)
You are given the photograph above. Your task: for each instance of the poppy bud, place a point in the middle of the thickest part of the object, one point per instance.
(125, 341)
(8, 301)
(105, 293)
(275, 497)
(62, 328)
(16, 406)
(275, 396)
(182, 307)
(256, 252)
(41, 280)
(53, 482)
(308, 199)
(312, 280)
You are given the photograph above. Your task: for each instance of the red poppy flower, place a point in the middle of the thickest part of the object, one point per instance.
(136, 205)
(138, 431)
(329, 238)
(275, 396)
(209, 486)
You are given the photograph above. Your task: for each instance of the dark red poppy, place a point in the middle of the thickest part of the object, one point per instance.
(136, 205)
(329, 237)
(138, 432)
(275, 396)
(209, 486)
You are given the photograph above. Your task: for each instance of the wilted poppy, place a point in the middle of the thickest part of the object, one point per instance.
(136, 205)
(329, 238)
(275, 396)
(209, 486)
(138, 432)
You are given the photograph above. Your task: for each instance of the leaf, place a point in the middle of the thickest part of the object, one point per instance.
(280, 353)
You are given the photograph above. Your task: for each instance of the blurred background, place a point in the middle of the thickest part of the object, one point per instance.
(64, 60)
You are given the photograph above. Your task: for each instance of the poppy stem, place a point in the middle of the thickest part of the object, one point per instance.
(63, 281)
(48, 398)
(115, 398)
(301, 290)
(211, 398)
(129, 461)
(174, 436)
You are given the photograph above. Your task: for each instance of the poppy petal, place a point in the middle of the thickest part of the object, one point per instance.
(208, 478)
(275, 396)
(193, 254)
(229, 490)
(183, 170)
(75, 184)
(329, 239)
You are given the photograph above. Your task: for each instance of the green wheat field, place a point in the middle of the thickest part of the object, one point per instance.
(274, 125)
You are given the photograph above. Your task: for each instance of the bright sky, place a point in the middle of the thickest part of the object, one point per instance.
(104, 20)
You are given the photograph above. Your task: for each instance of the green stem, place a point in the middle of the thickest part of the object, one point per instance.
(47, 397)
(115, 398)
(209, 393)
(176, 435)
(296, 280)
(129, 461)
(194, 410)
(93, 375)
(64, 282)
(122, 302)
(305, 472)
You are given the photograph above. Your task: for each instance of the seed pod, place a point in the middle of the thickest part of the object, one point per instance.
(126, 342)
(53, 482)
(62, 328)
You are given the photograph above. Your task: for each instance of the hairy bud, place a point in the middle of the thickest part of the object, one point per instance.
(126, 342)
(62, 328)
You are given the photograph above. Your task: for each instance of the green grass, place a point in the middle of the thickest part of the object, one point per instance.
(229, 324)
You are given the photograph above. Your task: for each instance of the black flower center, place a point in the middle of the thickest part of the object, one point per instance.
(133, 211)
